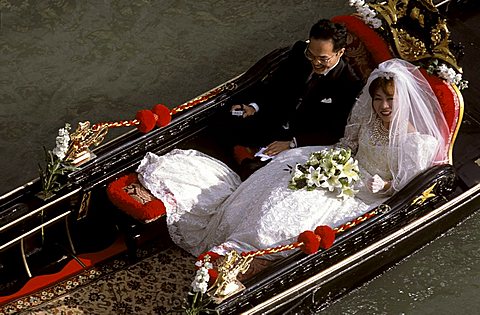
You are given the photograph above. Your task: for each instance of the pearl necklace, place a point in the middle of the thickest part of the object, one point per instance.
(380, 134)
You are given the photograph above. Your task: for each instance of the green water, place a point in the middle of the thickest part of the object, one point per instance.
(69, 61)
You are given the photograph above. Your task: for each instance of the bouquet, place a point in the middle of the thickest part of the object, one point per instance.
(332, 169)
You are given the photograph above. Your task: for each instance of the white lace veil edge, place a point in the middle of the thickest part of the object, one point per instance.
(415, 107)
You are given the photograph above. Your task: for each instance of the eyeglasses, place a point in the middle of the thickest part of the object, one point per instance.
(322, 60)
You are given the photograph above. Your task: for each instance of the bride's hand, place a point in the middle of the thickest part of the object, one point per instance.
(376, 184)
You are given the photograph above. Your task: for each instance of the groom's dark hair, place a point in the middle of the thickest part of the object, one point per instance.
(325, 29)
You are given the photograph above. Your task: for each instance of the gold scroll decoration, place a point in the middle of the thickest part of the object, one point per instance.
(81, 140)
(433, 39)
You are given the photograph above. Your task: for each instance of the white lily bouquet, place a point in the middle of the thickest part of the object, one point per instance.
(333, 169)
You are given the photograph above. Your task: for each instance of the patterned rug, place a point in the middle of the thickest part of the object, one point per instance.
(157, 284)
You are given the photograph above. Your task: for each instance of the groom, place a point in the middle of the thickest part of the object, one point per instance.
(305, 102)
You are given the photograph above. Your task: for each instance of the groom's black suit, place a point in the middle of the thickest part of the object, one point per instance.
(315, 110)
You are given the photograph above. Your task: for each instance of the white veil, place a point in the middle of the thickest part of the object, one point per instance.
(414, 105)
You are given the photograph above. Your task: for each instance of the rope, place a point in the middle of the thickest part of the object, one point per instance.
(342, 228)
(175, 110)
(272, 250)
(115, 124)
(380, 209)
(197, 100)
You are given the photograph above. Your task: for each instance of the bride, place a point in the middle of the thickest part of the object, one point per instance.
(396, 129)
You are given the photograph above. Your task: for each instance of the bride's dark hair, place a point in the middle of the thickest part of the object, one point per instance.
(386, 84)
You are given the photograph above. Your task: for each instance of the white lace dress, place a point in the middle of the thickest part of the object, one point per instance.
(215, 212)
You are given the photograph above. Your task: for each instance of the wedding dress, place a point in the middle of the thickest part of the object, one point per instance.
(209, 209)
(261, 212)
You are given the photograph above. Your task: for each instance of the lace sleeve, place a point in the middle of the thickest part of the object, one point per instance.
(350, 138)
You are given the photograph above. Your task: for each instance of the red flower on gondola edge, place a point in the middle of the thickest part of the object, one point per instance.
(159, 116)
(326, 234)
(311, 242)
(147, 120)
(322, 237)
(163, 115)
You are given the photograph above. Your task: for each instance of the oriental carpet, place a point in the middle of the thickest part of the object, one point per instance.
(156, 284)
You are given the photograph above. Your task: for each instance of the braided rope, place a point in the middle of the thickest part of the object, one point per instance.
(342, 228)
(197, 100)
(115, 124)
(272, 250)
(175, 110)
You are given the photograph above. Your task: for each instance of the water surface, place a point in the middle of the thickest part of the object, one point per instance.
(69, 61)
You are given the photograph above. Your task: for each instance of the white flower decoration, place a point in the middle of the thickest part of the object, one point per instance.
(62, 142)
(200, 283)
(447, 73)
(366, 13)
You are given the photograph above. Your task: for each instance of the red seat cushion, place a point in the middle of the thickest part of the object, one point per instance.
(241, 153)
(127, 194)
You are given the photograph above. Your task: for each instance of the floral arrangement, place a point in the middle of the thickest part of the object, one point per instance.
(367, 15)
(446, 73)
(56, 165)
(72, 149)
(332, 169)
(205, 276)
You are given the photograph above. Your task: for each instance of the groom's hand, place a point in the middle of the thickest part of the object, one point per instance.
(247, 110)
(276, 147)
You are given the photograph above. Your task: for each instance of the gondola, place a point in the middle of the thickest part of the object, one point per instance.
(41, 235)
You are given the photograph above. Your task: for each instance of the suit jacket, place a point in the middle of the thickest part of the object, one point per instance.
(314, 118)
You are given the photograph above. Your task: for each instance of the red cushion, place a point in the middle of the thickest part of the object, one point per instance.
(127, 194)
(374, 43)
(241, 153)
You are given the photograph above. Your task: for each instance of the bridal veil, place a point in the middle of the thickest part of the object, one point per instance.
(414, 105)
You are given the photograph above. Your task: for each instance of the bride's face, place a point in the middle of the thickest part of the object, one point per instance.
(382, 104)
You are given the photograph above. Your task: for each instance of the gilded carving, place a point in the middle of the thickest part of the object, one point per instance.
(410, 46)
(398, 13)
(227, 283)
(416, 15)
(427, 194)
(81, 139)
